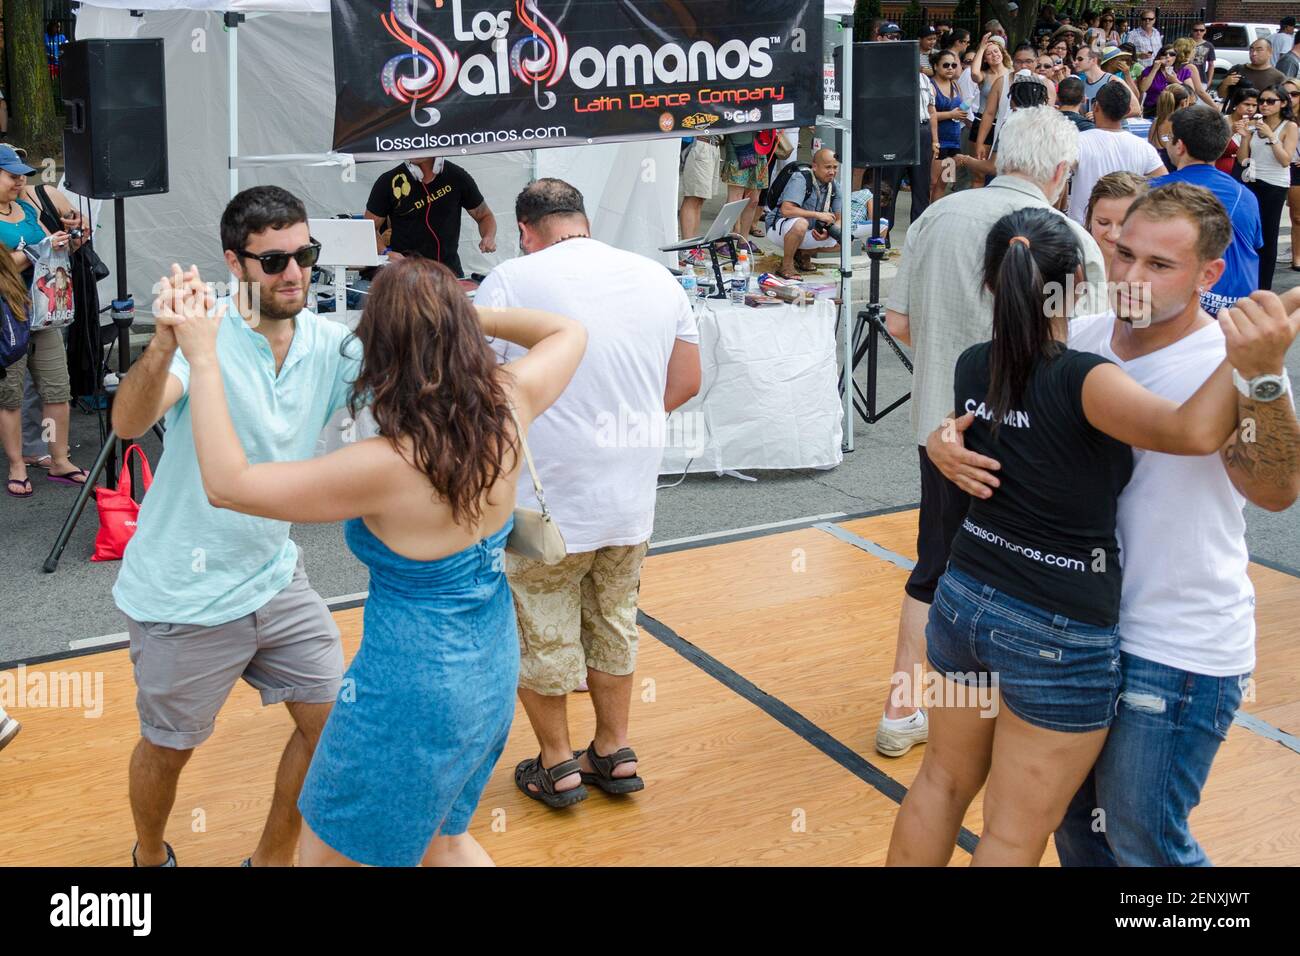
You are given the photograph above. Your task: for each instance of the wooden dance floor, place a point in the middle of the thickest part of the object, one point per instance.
(765, 660)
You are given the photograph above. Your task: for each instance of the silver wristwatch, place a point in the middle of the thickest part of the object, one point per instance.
(1262, 388)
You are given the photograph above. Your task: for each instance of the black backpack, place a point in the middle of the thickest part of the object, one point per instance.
(777, 189)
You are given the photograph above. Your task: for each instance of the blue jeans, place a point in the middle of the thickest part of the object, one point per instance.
(1132, 809)
(1051, 672)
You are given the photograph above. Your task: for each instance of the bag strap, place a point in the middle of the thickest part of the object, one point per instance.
(146, 474)
(532, 469)
(47, 205)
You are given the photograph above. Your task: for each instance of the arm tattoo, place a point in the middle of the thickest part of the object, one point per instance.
(1263, 454)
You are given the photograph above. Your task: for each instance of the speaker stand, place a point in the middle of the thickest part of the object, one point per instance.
(123, 313)
(870, 325)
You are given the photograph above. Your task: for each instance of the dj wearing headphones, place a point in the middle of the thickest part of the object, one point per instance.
(420, 202)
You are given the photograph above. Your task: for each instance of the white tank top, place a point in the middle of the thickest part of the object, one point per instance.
(1267, 168)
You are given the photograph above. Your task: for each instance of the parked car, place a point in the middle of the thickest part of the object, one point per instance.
(1232, 44)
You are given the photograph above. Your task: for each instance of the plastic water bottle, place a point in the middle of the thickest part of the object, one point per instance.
(740, 278)
(690, 284)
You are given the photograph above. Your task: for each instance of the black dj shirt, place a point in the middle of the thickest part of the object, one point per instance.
(425, 216)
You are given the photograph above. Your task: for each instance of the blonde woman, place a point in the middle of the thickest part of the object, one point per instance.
(1185, 56)
(1174, 98)
(1108, 205)
(989, 66)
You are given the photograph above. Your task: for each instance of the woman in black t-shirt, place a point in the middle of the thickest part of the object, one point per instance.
(1026, 614)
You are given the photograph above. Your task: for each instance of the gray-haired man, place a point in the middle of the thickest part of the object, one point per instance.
(938, 305)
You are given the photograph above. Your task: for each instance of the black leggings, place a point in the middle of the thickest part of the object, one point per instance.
(1271, 200)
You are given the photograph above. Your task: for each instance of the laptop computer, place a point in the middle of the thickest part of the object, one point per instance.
(346, 242)
(721, 228)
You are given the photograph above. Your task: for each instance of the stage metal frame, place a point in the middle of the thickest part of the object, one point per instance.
(843, 127)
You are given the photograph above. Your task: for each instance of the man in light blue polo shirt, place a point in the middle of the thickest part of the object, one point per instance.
(1200, 135)
(213, 595)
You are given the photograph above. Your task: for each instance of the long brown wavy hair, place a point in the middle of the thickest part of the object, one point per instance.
(430, 378)
(12, 286)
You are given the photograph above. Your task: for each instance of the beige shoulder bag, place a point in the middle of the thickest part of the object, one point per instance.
(535, 534)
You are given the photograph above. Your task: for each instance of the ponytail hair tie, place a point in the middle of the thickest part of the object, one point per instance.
(1020, 239)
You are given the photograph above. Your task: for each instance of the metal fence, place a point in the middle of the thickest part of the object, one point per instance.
(1171, 25)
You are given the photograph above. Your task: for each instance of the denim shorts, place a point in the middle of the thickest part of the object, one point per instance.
(1051, 672)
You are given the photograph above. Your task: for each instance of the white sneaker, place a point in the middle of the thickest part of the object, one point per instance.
(8, 730)
(1284, 253)
(896, 737)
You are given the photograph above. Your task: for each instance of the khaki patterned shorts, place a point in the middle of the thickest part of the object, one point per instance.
(48, 364)
(577, 614)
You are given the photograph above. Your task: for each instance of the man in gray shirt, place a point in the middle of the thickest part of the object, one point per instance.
(938, 305)
(807, 209)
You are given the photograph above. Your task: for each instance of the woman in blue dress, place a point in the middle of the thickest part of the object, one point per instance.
(950, 115)
(429, 697)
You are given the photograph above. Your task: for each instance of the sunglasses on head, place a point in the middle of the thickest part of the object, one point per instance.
(273, 263)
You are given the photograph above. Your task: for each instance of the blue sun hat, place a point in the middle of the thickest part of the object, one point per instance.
(12, 162)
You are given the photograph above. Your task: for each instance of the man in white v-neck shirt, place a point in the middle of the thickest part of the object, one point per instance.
(1187, 613)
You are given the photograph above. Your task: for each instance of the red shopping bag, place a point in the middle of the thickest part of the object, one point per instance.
(118, 510)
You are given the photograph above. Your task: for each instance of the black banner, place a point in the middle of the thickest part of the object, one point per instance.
(478, 76)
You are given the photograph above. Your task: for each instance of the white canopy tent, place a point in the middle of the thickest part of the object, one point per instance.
(254, 105)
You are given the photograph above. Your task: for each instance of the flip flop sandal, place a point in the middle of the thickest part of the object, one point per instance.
(793, 276)
(43, 462)
(21, 483)
(67, 477)
(604, 775)
(532, 772)
(758, 232)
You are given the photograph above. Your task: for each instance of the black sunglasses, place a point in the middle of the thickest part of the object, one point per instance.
(1268, 101)
(273, 263)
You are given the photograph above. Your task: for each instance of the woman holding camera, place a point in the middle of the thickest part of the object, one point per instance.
(1166, 71)
(1269, 149)
(24, 221)
(1239, 109)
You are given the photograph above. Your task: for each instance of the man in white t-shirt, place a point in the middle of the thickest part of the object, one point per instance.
(597, 451)
(1187, 611)
(1109, 149)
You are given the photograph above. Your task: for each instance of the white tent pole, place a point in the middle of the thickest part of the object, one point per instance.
(232, 96)
(843, 127)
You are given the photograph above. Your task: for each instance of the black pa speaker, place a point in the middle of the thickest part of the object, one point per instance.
(115, 130)
(886, 103)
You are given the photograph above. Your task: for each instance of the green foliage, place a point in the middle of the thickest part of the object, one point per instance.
(864, 11)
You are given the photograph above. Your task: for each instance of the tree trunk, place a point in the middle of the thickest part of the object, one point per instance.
(1021, 26)
(33, 122)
